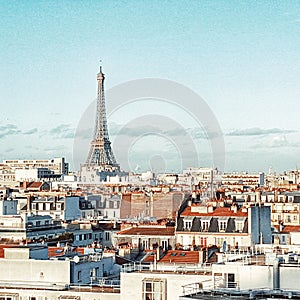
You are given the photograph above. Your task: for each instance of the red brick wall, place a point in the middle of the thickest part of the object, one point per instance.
(125, 210)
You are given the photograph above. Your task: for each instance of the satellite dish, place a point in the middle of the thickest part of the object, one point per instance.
(76, 259)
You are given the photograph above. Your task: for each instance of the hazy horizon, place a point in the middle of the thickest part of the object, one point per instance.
(241, 58)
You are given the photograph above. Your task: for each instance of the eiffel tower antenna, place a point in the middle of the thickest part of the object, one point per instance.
(101, 154)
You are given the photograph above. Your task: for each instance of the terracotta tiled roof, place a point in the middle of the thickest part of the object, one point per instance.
(291, 228)
(149, 258)
(59, 251)
(34, 185)
(148, 231)
(218, 212)
(177, 256)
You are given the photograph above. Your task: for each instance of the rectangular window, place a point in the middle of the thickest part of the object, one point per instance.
(107, 236)
(204, 225)
(188, 222)
(164, 244)
(203, 241)
(188, 225)
(154, 289)
(219, 242)
(94, 273)
(222, 225)
(239, 226)
(79, 276)
(231, 284)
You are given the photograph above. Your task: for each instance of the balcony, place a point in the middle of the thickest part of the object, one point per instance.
(31, 228)
(185, 268)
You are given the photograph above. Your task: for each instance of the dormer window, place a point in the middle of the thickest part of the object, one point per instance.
(205, 223)
(188, 222)
(239, 224)
(222, 225)
(222, 222)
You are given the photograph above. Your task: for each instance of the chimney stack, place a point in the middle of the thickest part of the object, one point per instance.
(29, 203)
(158, 253)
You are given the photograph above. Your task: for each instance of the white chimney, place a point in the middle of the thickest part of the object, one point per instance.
(157, 254)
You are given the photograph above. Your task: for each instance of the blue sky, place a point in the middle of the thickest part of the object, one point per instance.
(241, 57)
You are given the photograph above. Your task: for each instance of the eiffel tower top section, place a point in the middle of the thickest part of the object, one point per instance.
(101, 132)
(101, 154)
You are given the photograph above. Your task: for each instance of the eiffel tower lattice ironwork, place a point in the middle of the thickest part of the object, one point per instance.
(101, 154)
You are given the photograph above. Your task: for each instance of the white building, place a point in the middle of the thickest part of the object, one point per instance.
(106, 205)
(146, 283)
(8, 167)
(28, 227)
(34, 174)
(59, 208)
(226, 227)
(17, 267)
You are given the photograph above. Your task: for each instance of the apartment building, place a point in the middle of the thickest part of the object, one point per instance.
(64, 208)
(28, 227)
(151, 204)
(57, 166)
(225, 227)
(106, 205)
(143, 237)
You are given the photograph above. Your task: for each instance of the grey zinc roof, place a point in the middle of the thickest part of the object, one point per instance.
(180, 224)
(196, 227)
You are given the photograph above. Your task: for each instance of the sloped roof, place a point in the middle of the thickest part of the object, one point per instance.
(178, 256)
(108, 226)
(122, 260)
(290, 228)
(151, 230)
(213, 225)
(218, 212)
(59, 251)
(34, 185)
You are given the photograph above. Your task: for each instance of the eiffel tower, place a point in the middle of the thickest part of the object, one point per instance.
(101, 156)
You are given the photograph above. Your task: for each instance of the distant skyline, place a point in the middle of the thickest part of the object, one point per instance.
(241, 57)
